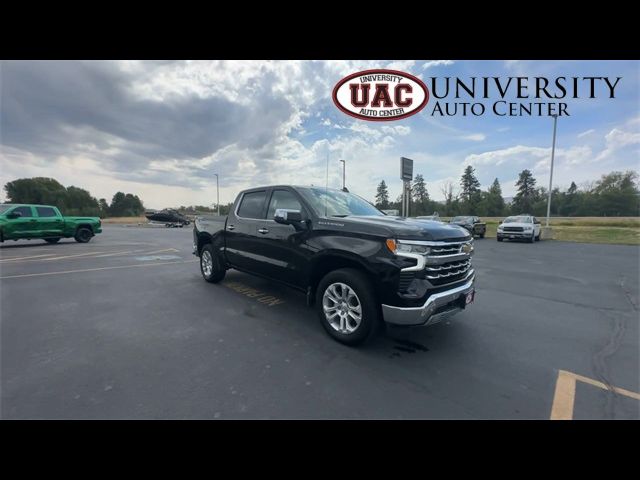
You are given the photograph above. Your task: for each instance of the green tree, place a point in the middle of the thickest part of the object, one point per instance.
(494, 203)
(104, 208)
(526, 195)
(469, 184)
(421, 202)
(382, 196)
(617, 194)
(39, 190)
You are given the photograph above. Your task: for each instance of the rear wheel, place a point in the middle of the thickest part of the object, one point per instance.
(210, 265)
(347, 307)
(52, 240)
(83, 235)
(482, 235)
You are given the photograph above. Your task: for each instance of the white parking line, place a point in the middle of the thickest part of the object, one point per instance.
(96, 269)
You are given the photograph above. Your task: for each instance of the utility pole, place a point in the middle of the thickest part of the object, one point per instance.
(344, 166)
(553, 151)
(217, 193)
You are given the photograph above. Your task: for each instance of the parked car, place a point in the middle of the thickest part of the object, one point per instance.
(519, 227)
(472, 224)
(357, 265)
(45, 222)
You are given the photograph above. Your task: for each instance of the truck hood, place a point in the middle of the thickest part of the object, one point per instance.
(400, 227)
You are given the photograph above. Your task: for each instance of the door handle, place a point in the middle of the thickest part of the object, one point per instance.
(230, 227)
(263, 230)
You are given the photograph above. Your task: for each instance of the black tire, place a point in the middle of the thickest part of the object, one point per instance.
(538, 238)
(499, 239)
(217, 272)
(52, 240)
(359, 284)
(532, 238)
(83, 235)
(482, 235)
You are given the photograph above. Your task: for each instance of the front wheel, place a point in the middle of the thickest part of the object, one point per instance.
(210, 265)
(52, 240)
(532, 238)
(499, 239)
(538, 237)
(83, 235)
(347, 307)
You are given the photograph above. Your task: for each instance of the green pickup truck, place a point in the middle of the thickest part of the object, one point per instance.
(46, 222)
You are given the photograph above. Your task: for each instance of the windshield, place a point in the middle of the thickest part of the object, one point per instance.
(517, 220)
(4, 208)
(461, 219)
(337, 203)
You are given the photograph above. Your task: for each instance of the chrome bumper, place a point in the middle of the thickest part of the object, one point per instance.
(428, 314)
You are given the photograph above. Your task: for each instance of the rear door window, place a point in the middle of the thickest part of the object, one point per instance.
(251, 205)
(46, 212)
(24, 211)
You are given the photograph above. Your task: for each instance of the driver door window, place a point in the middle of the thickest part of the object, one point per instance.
(282, 199)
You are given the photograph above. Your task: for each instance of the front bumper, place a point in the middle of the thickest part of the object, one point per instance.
(514, 234)
(437, 307)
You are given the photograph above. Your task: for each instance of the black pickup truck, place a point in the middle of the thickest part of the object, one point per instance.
(356, 264)
(473, 224)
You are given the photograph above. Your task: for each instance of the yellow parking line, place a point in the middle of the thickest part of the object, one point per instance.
(564, 396)
(25, 258)
(96, 269)
(73, 256)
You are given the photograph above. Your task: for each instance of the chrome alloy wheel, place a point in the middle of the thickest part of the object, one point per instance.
(342, 308)
(207, 263)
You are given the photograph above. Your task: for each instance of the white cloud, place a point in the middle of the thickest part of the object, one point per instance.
(436, 63)
(475, 137)
(585, 133)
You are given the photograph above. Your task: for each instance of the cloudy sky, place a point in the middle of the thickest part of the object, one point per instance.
(162, 129)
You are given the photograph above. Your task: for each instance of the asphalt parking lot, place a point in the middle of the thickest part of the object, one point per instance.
(124, 327)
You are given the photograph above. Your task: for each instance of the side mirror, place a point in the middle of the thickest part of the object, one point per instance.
(14, 215)
(287, 217)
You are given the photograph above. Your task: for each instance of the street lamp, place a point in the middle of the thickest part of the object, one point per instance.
(553, 151)
(218, 193)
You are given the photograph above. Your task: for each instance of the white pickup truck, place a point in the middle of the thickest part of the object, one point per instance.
(520, 227)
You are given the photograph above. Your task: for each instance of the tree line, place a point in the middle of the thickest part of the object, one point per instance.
(71, 200)
(614, 194)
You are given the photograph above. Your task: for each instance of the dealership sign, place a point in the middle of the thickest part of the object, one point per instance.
(380, 95)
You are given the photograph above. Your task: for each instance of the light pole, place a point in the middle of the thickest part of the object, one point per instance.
(218, 193)
(553, 151)
(344, 166)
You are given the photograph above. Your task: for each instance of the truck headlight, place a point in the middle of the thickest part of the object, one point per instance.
(399, 247)
(528, 229)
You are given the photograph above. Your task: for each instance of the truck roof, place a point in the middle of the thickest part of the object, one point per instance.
(27, 205)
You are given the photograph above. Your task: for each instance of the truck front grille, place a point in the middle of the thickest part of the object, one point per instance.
(513, 229)
(446, 263)
(447, 272)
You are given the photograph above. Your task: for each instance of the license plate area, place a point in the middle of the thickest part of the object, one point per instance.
(469, 297)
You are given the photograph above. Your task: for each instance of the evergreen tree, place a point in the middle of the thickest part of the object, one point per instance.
(527, 193)
(420, 196)
(469, 184)
(382, 196)
(494, 202)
